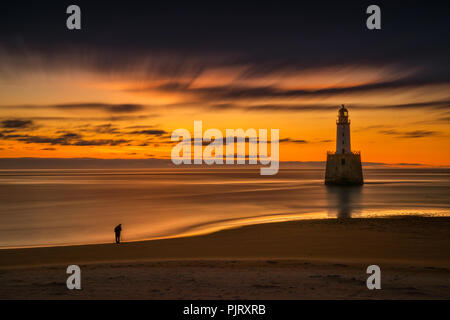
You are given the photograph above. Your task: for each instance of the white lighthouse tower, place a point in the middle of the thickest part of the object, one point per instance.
(343, 166)
(343, 132)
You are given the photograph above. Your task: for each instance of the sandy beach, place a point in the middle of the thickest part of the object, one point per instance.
(316, 259)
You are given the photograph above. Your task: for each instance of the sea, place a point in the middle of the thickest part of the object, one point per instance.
(71, 207)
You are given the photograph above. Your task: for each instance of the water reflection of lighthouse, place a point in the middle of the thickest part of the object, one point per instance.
(344, 201)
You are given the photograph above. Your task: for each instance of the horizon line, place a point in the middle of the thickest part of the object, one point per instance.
(24, 162)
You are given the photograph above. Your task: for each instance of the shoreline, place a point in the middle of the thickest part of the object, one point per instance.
(304, 259)
(323, 239)
(214, 227)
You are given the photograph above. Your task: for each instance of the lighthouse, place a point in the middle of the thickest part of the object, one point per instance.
(343, 132)
(343, 166)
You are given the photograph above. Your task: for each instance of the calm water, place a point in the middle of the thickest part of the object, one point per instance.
(54, 207)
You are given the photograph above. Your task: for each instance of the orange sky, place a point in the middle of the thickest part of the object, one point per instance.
(73, 113)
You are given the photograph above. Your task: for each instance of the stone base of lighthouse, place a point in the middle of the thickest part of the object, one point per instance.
(344, 169)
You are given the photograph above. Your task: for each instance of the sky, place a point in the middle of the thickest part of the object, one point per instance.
(137, 71)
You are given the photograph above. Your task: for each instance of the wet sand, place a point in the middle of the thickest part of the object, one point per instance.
(317, 259)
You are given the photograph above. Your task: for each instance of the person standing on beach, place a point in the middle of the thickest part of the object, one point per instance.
(117, 231)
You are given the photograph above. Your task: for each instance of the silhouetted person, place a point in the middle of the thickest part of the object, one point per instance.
(117, 231)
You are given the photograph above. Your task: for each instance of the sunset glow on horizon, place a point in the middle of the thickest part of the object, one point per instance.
(63, 114)
(77, 99)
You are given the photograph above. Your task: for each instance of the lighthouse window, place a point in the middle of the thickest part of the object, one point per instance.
(343, 161)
